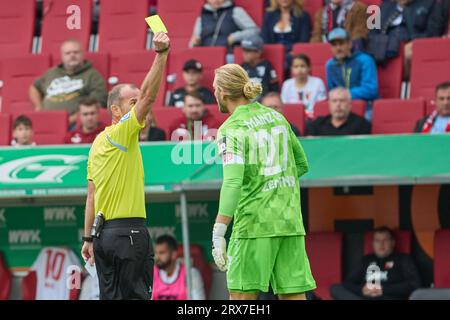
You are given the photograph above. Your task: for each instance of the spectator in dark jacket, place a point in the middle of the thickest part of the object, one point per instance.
(348, 14)
(354, 71)
(439, 120)
(192, 75)
(383, 275)
(403, 21)
(221, 23)
(151, 132)
(259, 70)
(340, 121)
(440, 21)
(286, 23)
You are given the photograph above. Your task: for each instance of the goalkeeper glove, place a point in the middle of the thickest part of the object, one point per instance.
(219, 251)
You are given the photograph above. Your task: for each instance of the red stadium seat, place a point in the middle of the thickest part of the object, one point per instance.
(312, 6)
(295, 115)
(429, 66)
(321, 108)
(254, 8)
(179, 17)
(132, 68)
(210, 57)
(5, 129)
(392, 116)
(442, 258)
(319, 53)
(372, 2)
(18, 74)
(214, 110)
(49, 127)
(29, 283)
(390, 78)
(200, 263)
(324, 251)
(272, 52)
(122, 27)
(5, 279)
(402, 242)
(430, 106)
(99, 60)
(164, 118)
(17, 20)
(54, 24)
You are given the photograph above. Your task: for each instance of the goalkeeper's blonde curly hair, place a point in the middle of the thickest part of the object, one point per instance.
(233, 80)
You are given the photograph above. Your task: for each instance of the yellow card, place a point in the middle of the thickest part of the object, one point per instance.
(155, 23)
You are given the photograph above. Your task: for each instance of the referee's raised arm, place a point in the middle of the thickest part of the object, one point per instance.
(150, 85)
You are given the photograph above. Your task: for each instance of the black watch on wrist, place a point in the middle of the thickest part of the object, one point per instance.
(86, 239)
(163, 50)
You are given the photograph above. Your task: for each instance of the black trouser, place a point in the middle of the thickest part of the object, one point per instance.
(124, 260)
(340, 292)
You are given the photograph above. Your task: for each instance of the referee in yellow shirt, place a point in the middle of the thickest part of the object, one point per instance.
(123, 251)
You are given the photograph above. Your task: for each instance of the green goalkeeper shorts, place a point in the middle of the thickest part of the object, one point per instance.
(280, 261)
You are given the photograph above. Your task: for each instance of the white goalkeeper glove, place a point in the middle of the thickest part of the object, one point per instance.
(219, 251)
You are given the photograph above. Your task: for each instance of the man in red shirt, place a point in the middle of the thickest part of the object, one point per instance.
(196, 123)
(88, 127)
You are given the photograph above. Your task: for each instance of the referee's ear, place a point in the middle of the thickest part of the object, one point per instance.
(116, 112)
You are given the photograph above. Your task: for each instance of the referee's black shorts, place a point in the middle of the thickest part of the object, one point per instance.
(124, 260)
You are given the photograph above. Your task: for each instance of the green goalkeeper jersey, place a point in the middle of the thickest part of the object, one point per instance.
(262, 162)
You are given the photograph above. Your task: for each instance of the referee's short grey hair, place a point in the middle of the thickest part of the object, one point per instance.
(341, 89)
(114, 95)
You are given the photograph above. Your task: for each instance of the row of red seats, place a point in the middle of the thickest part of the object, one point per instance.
(325, 256)
(118, 20)
(390, 116)
(428, 69)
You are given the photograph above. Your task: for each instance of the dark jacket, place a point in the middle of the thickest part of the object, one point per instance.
(440, 20)
(399, 276)
(362, 73)
(301, 29)
(234, 21)
(322, 126)
(417, 22)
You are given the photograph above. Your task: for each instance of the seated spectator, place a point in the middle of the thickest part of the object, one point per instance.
(354, 71)
(89, 126)
(22, 132)
(439, 120)
(221, 23)
(302, 87)
(62, 87)
(273, 100)
(286, 22)
(340, 121)
(192, 75)
(402, 21)
(348, 14)
(196, 123)
(151, 132)
(383, 275)
(169, 273)
(259, 70)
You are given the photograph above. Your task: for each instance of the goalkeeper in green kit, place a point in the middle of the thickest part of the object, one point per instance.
(262, 162)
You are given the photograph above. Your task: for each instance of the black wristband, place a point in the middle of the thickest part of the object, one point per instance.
(163, 50)
(87, 239)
